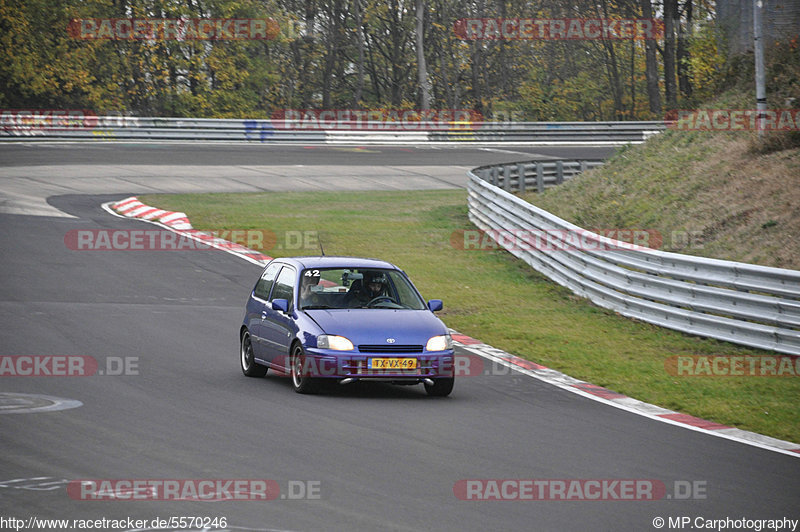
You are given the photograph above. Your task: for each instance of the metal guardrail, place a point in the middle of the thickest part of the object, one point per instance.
(106, 128)
(757, 306)
(534, 175)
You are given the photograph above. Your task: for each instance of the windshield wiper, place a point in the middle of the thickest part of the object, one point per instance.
(316, 307)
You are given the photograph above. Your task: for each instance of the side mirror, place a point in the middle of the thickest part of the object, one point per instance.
(281, 304)
(435, 305)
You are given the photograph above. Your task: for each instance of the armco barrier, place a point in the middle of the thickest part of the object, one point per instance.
(757, 306)
(534, 175)
(109, 128)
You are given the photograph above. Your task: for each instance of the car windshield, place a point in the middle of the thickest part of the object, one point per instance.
(343, 288)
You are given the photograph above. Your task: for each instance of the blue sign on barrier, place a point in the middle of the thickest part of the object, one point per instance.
(264, 130)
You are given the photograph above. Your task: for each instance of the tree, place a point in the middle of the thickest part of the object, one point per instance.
(668, 53)
(651, 64)
(422, 67)
(685, 30)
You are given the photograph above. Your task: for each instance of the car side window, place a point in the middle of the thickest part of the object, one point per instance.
(284, 285)
(264, 284)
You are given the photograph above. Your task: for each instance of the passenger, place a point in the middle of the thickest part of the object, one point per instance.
(308, 297)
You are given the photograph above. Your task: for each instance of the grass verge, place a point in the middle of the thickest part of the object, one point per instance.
(500, 300)
(708, 194)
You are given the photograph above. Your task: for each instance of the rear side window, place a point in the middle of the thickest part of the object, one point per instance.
(284, 286)
(264, 284)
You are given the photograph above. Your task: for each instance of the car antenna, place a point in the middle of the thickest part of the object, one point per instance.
(321, 249)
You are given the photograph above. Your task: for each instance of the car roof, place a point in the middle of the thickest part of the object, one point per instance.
(337, 262)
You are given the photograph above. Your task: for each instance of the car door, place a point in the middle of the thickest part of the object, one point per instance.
(277, 327)
(257, 305)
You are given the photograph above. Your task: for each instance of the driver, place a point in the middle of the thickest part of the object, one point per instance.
(373, 285)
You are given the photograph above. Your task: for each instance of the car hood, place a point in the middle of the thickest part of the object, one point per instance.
(375, 326)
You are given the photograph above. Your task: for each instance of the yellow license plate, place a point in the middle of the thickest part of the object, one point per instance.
(393, 363)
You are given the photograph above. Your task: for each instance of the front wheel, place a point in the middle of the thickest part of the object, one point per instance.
(301, 382)
(247, 358)
(440, 387)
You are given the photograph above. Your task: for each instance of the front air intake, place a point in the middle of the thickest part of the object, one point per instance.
(394, 348)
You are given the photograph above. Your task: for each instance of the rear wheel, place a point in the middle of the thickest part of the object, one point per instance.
(247, 358)
(301, 382)
(440, 387)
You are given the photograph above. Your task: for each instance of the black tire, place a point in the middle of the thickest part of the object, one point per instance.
(301, 383)
(247, 358)
(440, 387)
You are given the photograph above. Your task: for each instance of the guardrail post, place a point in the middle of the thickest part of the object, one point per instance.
(584, 166)
(495, 173)
(539, 178)
(521, 172)
(559, 172)
(507, 178)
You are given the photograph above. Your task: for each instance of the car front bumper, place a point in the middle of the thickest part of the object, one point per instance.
(358, 366)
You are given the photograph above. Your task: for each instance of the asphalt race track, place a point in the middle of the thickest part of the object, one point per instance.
(365, 457)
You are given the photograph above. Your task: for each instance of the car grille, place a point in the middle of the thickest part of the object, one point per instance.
(392, 348)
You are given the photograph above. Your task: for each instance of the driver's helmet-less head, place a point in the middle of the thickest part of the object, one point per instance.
(310, 278)
(374, 283)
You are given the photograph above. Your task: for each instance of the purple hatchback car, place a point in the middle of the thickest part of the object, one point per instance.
(347, 319)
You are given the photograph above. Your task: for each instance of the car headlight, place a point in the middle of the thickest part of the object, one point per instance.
(337, 343)
(440, 343)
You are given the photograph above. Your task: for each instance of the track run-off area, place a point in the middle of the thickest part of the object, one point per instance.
(167, 426)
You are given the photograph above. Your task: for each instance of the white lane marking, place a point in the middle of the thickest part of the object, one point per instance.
(525, 153)
(27, 403)
(33, 484)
